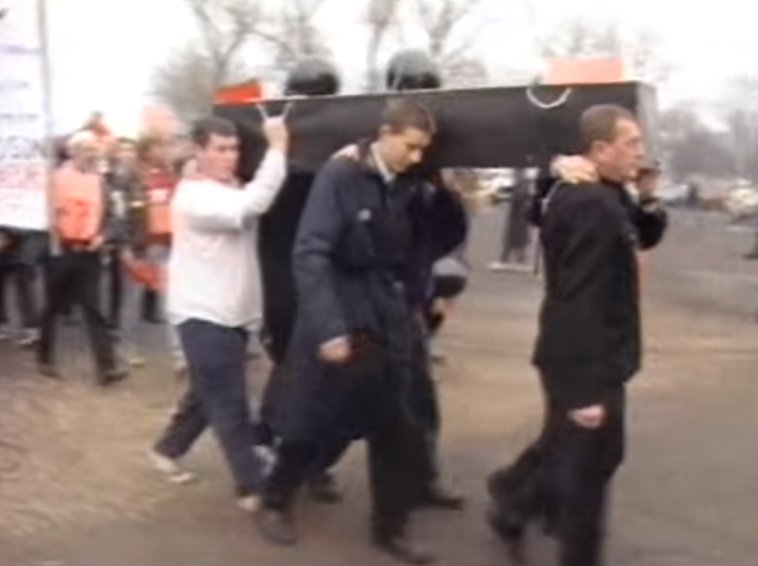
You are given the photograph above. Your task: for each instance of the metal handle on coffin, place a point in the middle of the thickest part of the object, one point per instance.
(560, 101)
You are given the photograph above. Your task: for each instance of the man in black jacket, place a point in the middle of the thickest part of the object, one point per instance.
(589, 343)
(349, 368)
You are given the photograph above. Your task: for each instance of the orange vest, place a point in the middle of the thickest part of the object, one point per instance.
(159, 189)
(78, 204)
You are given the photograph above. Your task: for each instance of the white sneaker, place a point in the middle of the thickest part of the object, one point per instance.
(170, 468)
(267, 456)
(498, 266)
(249, 503)
(134, 360)
(27, 338)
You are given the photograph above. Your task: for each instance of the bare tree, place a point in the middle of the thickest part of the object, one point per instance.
(466, 72)
(691, 148)
(444, 22)
(291, 32)
(741, 116)
(185, 82)
(381, 18)
(188, 79)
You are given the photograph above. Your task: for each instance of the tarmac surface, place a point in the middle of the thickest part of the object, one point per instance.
(76, 489)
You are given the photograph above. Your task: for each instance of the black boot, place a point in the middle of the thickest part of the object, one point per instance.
(276, 526)
(111, 376)
(511, 531)
(400, 548)
(48, 370)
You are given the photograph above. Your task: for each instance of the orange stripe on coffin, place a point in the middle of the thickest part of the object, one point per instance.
(244, 93)
(585, 71)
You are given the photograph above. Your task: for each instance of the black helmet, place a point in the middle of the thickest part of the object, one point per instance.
(312, 77)
(412, 70)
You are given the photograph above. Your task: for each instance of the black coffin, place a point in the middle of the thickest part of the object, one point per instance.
(490, 127)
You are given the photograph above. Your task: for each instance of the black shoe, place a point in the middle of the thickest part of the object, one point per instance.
(438, 497)
(276, 526)
(111, 377)
(511, 533)
(48, 370)
(400, 548)
(751, 255)
(323, 489)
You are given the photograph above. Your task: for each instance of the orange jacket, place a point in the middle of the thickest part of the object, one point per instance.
(160, 185)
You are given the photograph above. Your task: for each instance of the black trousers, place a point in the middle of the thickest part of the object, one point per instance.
(394, 474)
(423, 402)
(20, 277)
(563, 478)
(396, 454)
(73, 278)
(150, 310)
(217, 397)
(115, 285)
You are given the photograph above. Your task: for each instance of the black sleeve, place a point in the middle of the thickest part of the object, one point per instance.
(447, 221)
(543, 185)
(651, 220)
(321, 227)
(108, 228)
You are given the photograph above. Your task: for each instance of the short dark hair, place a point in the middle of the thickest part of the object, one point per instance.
(598, 123)
(403, 113)
(205, 128)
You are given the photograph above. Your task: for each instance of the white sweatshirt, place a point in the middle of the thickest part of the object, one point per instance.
(213, 270)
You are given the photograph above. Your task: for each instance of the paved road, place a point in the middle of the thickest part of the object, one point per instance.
(75, 489)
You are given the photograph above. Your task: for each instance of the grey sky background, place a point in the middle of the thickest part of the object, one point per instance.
(104, 52)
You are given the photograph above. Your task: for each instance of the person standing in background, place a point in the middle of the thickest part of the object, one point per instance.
(80, 207)
(159, 181)
(129, 243)
(516, 237)
(121, 181)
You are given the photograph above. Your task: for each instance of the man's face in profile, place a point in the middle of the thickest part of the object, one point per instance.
(623, 157)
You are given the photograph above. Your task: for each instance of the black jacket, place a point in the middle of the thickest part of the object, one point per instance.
(589, 341)
(126, 210)
(438, 222)
(352, 255)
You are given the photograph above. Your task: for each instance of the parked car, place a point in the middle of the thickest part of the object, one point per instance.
(741, 203)
(675, 194)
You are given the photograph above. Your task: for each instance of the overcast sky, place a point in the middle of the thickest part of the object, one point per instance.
(107, 62)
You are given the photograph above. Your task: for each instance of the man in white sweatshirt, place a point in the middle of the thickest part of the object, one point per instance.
(213, 297)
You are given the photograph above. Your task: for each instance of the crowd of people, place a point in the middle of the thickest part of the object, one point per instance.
(106, 254)
(370, 263)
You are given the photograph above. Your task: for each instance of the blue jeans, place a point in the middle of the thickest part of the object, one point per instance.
(217, 397)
